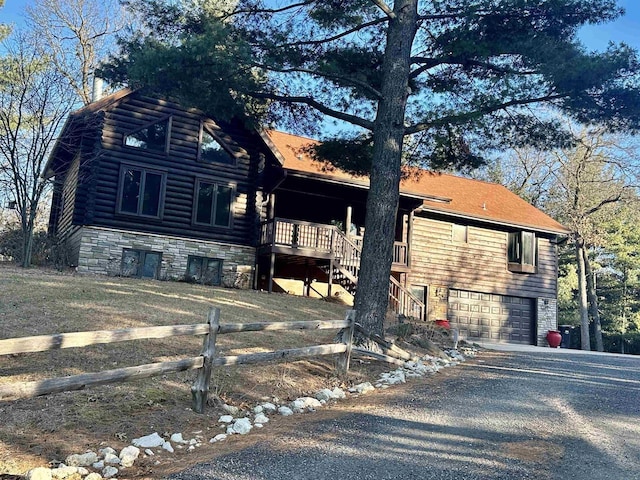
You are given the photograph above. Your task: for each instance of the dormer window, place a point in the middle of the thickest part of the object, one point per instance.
(212, 150)
(153, 136)
(521, 252)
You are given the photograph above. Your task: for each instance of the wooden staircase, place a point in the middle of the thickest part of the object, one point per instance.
(327, 242)
(345, 267)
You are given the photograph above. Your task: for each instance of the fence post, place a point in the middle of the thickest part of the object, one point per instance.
(347, 337)
(200, 388)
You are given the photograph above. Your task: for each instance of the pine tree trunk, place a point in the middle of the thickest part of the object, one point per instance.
(593, 300)
(582, 295)
(372, 296)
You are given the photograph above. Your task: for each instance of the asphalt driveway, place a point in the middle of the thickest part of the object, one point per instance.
(538, 414)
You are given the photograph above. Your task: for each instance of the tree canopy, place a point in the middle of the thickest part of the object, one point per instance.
(455, 78)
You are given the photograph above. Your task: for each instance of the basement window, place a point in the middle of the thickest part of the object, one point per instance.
(521, 252)
(204, 270)
(141, 263)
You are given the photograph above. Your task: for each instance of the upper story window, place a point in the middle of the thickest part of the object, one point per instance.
(141, 191)
(213, 204)
(153, 136)
(211, 149)
(460, 233)
(521, 252)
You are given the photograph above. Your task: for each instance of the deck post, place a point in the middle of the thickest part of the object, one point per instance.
(330, 281)
(272, 270)
(347, 223)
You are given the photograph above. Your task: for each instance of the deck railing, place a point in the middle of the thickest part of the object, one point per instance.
(347, 252)
(322, 238)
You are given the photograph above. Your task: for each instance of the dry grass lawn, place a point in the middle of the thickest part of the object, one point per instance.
(37, 431)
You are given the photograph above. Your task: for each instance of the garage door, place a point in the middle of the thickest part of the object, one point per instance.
(493, 318)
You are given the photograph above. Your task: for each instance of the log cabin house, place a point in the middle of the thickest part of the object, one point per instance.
(146, 188)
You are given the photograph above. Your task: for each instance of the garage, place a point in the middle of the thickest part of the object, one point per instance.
(493, 318)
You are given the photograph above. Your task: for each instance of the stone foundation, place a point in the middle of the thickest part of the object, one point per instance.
(547, 312)
(101, 253)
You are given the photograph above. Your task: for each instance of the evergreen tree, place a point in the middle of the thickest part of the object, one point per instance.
(454, 78)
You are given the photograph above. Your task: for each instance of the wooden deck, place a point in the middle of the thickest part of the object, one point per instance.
(306, 239)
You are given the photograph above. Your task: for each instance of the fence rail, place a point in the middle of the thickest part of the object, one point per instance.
(204, 363)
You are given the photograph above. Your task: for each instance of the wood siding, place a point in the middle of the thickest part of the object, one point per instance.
(480, 265)
(100, 173)
(68, 199)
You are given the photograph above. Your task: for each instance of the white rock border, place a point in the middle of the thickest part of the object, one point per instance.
(236, 422)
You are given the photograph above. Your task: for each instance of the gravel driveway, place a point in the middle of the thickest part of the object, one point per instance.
(517, 415)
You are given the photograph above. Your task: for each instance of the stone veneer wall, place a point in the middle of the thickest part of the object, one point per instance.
(547, 310)
(101, 253)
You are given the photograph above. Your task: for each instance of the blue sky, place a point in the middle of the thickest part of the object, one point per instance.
(626, 29)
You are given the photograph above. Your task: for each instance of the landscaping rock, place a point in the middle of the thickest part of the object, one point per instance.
(84, 460)
(242, 426)
(64, 472)
(167, 446)
(149, 452)
(260, 419)
(104, 451)
(226, 419)
(338, 394)
(112, 459)
(100, 465)
(218, 438)
(231, 410)
(109, 472)
(285, 411)
(177, 438)
(149, 441)
(93, 476)
(128, 455)
(258, 409)
(324, 395)
(310, 402)
(269, 407)
(39, 473)
(363, 388)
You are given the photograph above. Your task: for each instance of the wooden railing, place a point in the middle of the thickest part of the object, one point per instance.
(283, 232)
(347, 252)
(204, 363)
(403, 302)
(297, 234)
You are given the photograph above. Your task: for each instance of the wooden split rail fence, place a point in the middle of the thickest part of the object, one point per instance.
(204, 362)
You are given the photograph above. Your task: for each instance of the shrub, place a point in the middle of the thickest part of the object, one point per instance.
(43, 250)
(621, 342)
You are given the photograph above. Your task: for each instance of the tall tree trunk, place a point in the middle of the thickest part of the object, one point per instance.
(592, 296)
(582, 295)
(372, 296)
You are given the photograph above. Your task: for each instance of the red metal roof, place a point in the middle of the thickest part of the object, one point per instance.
(448, 194)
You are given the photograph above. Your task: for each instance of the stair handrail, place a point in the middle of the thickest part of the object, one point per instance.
(406, 303)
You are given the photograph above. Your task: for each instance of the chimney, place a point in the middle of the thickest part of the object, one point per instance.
(98, 86)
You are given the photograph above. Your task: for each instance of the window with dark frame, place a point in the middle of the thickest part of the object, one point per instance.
(153, 136)
(204, 270)
(140, 263)
(141, 191)
(213, 204)
(211, 149)
(521, 252)
(460, 233)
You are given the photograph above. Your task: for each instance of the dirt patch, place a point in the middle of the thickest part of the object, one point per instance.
(46, 429)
